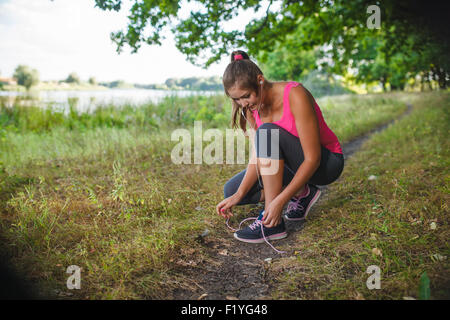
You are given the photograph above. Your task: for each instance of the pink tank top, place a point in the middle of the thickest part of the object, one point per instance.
(327, 138)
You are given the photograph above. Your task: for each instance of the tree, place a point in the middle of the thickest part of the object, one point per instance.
(73, 78)
(338, 25)
(171, 82)
(26, 76)
(92, 81)
(288, 60)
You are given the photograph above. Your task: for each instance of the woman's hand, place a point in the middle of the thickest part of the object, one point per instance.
(225, 206)
(272, 215)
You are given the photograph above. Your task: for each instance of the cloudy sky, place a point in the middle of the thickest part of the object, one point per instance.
(62, 36)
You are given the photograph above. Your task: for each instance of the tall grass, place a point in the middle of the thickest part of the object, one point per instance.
(350, 116)
(30, 134)
(172, 111)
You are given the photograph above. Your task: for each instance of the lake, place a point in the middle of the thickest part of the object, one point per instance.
(90, 99)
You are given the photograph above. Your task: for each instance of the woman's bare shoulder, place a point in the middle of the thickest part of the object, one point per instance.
(300, 95)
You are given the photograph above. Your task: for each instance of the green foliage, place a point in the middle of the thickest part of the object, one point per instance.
(321, 84)
(26, 76)
(424, 287)
(288, 61)
(412, 40)
(171, 111)
(374, 61)
(73, 78)
(92, 81)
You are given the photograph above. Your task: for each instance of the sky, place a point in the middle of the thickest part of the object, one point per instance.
(63, 36)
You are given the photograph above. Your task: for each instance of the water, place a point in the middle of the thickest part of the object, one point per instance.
(90, 99)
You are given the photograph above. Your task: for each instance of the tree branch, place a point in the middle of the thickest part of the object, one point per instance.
(255, 32)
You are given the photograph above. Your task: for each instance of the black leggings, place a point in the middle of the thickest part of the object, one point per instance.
(289, 149)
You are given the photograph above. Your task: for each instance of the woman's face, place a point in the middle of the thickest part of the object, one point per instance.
(243, 97)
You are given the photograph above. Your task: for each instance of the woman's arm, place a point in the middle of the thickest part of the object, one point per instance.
(302, 108)
(250, 176)
(224, 208)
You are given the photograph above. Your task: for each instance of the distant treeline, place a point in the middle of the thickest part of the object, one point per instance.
(319, 83)
(27, 77)
(193, 83)
(117, 84)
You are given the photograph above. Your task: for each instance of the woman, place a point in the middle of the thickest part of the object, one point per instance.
(295, 149)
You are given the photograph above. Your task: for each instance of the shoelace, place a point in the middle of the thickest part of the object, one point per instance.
(253, 226)
(295, 205)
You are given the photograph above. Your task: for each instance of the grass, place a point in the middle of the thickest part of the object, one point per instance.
(398, 222)
(105, 195)
(351, 116)
(29, 134)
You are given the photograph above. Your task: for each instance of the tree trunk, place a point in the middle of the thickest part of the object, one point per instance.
(422, 82)
(383, 83)
(442, 78)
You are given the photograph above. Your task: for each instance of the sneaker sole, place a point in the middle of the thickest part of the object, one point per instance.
(313, 202)
(276, 236)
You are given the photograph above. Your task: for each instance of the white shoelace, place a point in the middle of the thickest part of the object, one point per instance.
(253, 226)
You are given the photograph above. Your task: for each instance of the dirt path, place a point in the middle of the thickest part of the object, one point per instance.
(234, 269)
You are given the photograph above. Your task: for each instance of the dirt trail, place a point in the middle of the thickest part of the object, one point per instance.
(235, 269)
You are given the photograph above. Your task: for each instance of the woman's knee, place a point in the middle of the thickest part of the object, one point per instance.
(267, 139)
(229, 189)
(266, 131)
(329, 171)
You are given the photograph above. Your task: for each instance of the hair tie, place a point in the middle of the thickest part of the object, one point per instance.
(238, 57)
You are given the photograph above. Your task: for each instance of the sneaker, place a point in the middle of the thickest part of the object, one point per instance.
(298, 208)
(254, 233)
